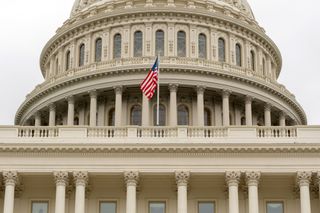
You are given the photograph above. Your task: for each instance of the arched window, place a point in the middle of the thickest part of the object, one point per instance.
(98, 50)
(238, 55)
(68, 60)
(207, 117)
(253, 60)
(159, 49)
(136, 115)
(111, 117)
(264, 66)
(222, 50)
(181, 44)
(162, 115)
(202, 45)
(183, 115)
(81, 54)
(138, 44)
(117, 46)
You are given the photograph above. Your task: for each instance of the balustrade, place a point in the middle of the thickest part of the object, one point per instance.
(37, 132)
(276, 132)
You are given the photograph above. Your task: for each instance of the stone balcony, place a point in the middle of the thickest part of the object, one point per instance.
(170, 135)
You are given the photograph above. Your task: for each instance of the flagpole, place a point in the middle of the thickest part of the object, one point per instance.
(158, 92)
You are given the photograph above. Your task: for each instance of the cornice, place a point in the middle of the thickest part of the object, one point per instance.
(100, 21)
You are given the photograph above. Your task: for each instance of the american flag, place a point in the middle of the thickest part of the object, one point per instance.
(150, 83)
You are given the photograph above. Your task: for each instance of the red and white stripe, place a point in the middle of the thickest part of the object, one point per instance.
(150, 83)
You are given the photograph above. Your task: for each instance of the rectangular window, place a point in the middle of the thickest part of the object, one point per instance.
(157, 207)
(206, 207)
(108, 207)
(39, 207)
(275, 207)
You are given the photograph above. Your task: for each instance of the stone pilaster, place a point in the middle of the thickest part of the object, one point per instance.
(131, 179)
(303, 180)
(81, 179)
(10, 179)
(252, 179)
(233, 179)
(61, 179)
(182, 179)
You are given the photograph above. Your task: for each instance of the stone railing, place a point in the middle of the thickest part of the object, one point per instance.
(230, 134)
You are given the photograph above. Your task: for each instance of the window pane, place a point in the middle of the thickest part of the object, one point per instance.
(207, 117)
(275, 207)
(81, 55)
(117, 46)
(238, 55)
(138, 44)
(111, 119)
(157, 207)
(136, 115)
(162, 115)
(181, 44)
(222, 50)
(108, 207)
(98, 52)
(183, 115)
(159, 43)
(206, 207)
(39, 207)
(202, 46)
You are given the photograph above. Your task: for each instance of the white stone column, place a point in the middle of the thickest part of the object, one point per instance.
(61, 180)
(225, 108)
(37, 119)
(81, 180)
(52, 114)
(145, 111)
(10, 180)
(233, 179)
(70, 121)
(252, 179)
(304, 179)
(267, 115)
(131, 179)
(200, 105)
(182, 178)
(173, 105)
(118, 105)
(248, 106)
(93, 108)
(282, 119)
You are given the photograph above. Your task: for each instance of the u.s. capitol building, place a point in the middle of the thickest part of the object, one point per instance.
(231, 139)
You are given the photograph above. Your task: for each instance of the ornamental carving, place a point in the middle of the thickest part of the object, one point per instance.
(182, 177)
(233, 177)
(81, 178)
(61, 178)
(131, 177)
(304, 178)
(253, 177)
(10, 178)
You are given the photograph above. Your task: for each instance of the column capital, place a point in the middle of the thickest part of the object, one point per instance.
(182, 177)
(304, 178)
(118, 89)
(131, 178)
(61, 178)
(52, 106)
(173, 87)
(200, 89)
(70, 99)
(267, 106)
(226, 93)
(282, 114)
(253, 177)
(93, 94)
(249, 99)
(233, 178)
(10, 177)
(37, 113)
(81, 178)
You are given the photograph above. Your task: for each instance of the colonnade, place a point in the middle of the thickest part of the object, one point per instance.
(173, 106)
(131, 178)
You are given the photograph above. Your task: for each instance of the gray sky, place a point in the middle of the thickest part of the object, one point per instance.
(27, 25)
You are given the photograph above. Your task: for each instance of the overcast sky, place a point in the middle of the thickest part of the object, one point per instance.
(26, 25)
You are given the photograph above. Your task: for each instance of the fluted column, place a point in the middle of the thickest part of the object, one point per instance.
(267, 115)
(70, 111)
(252, 179)
(81, 180)
(248, 106)
(200, 105)
(93, 108)
(304, 179)
(10, 180)
(37, 119)
(225, 108)
(182, 179)
(233, 179)
(145, 111)
(61, 180)
(52, 114)
(118, 105)
(282, 119)
(173, 105)
(131, 179)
